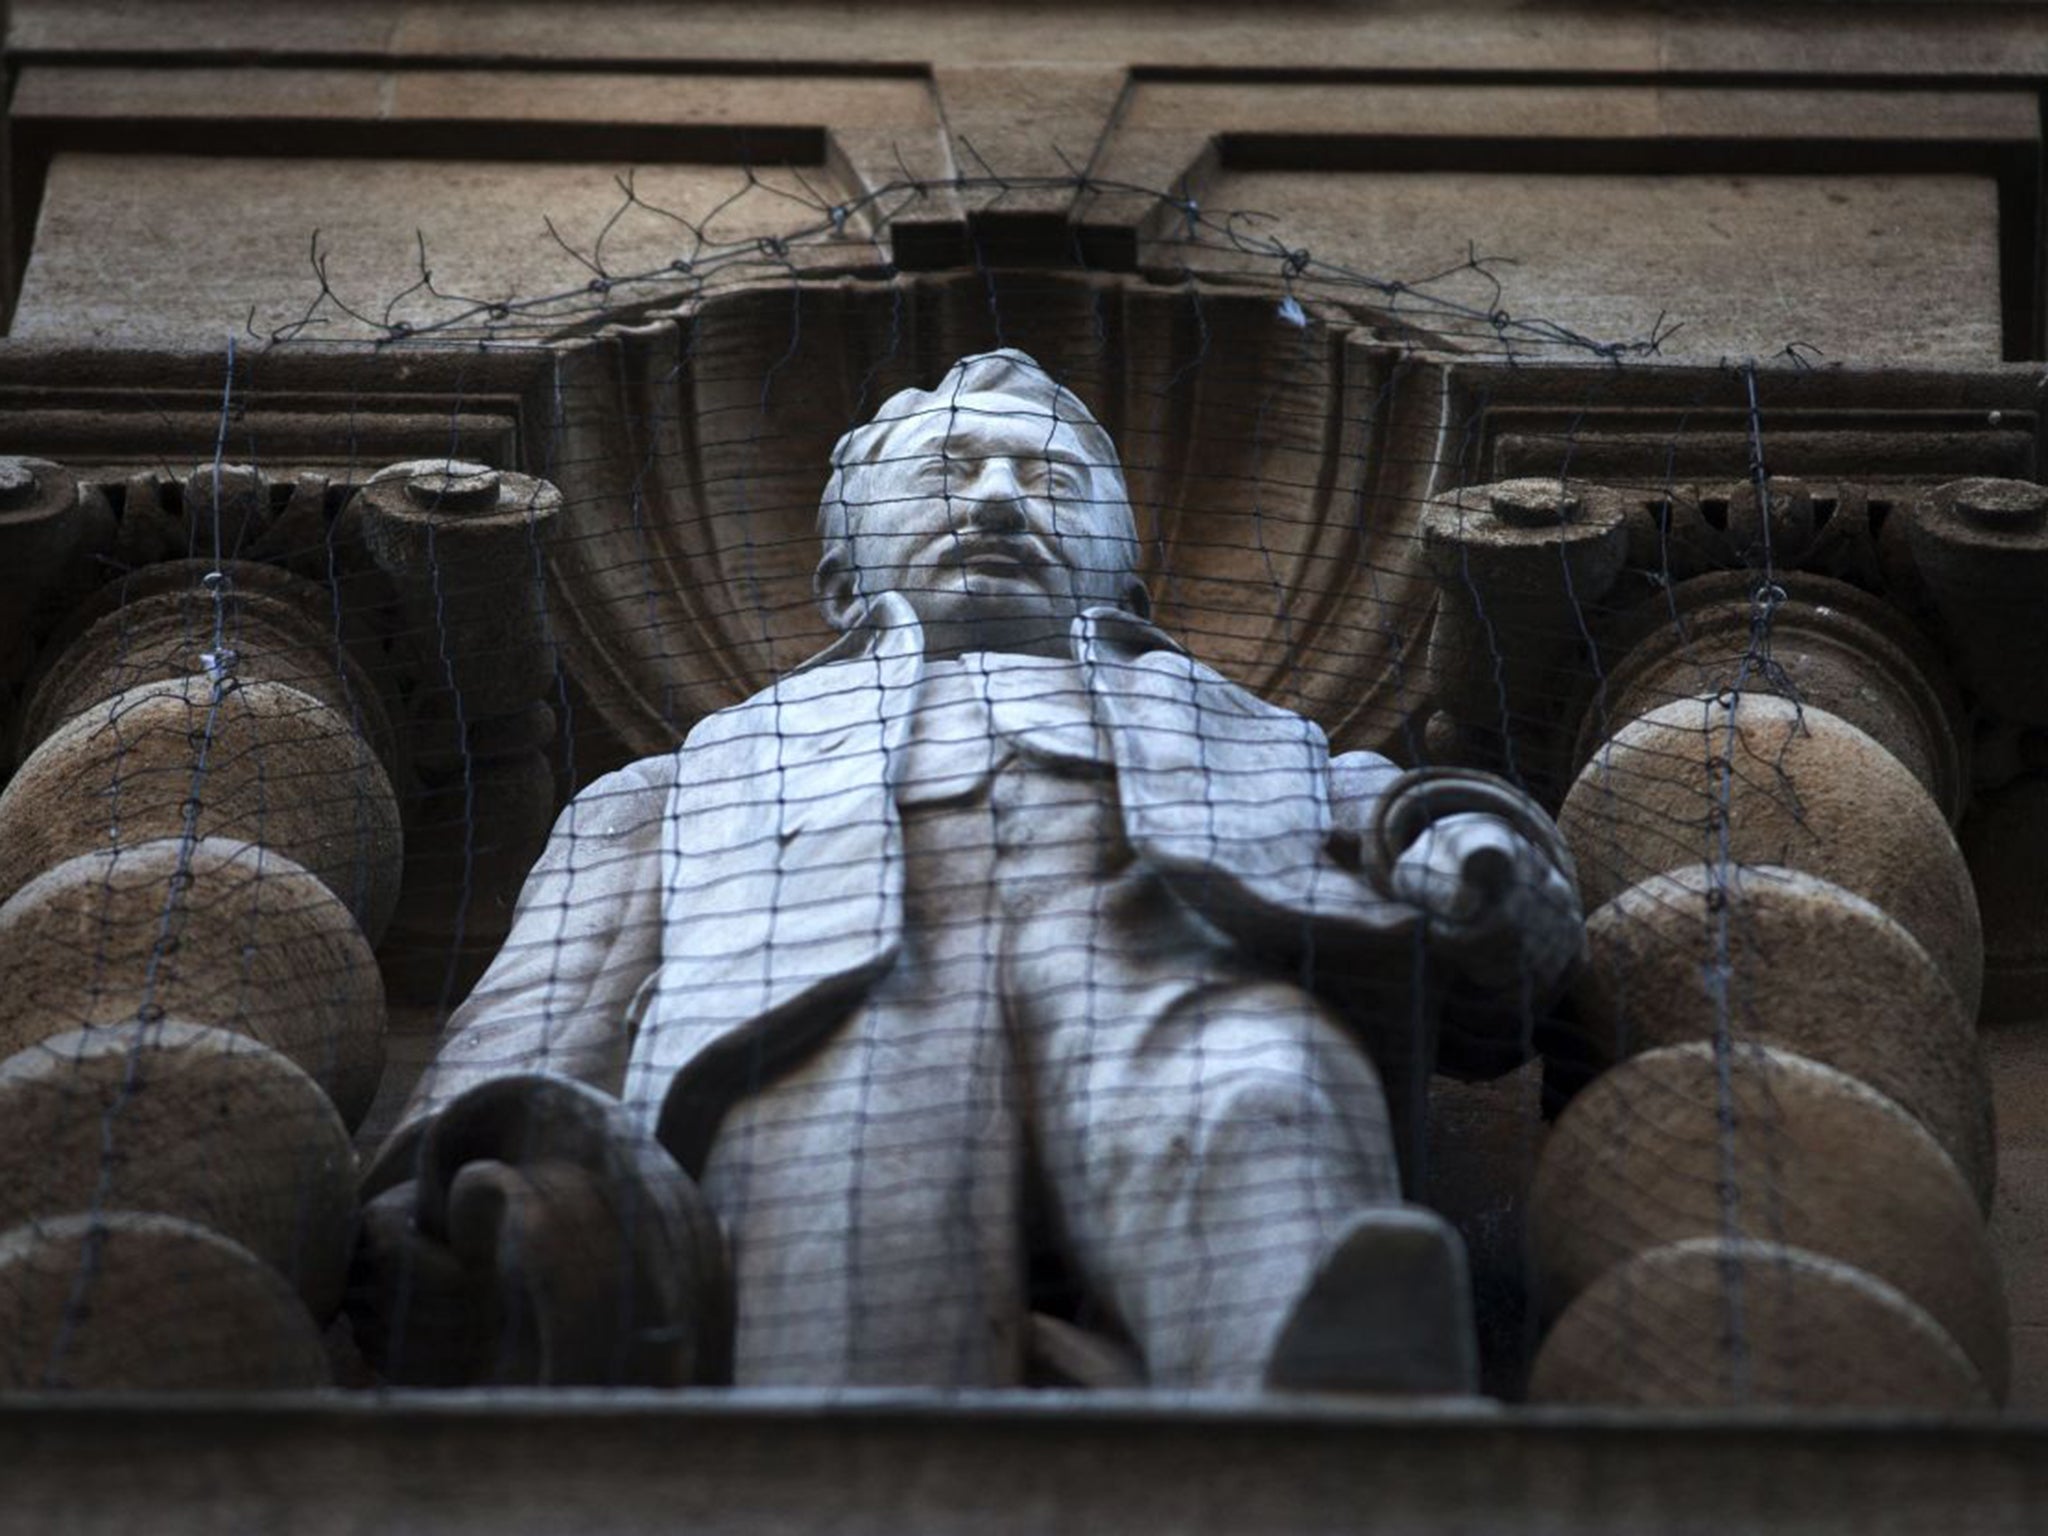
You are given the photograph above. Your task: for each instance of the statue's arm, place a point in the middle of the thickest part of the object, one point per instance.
(1359, 782)
(1493, 880)
(517, 1187)
(585, 935)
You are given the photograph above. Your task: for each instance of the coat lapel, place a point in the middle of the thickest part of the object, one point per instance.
(783, 896)
(1225, 795)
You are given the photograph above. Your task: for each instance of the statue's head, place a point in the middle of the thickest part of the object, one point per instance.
(993, 503)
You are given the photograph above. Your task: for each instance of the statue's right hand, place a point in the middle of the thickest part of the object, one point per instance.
(1500, 907)
(544, 1238)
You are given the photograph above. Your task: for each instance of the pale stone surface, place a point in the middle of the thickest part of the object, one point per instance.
(465, 546)
(1837, 40)
(133, 1301)
(1981, 547)
(1747, 264)
(1695, 783)
(1757, 1142)
(986, 889)
(1779, 957)
(1832, 647)
(260, 763)
(185, 1121)
(1842, 39)
(227, 934)
(1707, 1323)
(243, 229)
(1276, 485)
(1568, 114)
(161, 622)
(1518, 563)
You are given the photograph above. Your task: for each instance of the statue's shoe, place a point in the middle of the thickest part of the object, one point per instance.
(1388, 1311)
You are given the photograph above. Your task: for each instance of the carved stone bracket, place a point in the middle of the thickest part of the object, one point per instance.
(1785, 957)
(201, 843)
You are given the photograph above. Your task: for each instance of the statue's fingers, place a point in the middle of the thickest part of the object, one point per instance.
(413, 1307)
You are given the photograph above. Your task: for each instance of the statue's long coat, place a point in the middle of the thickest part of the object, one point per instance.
(701, 918)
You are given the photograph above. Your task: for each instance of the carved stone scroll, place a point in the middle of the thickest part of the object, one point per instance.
(197, 849)
(1784, 959)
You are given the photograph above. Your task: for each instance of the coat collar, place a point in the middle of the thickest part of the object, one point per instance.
(889, 631)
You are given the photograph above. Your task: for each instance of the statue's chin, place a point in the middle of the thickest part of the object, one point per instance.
(994, 615)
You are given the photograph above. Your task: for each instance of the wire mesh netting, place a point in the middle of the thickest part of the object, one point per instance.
(1216, 820)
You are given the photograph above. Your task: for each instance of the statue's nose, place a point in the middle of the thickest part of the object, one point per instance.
(995, 502)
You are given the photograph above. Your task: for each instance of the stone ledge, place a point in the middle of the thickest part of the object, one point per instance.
(510, 1463)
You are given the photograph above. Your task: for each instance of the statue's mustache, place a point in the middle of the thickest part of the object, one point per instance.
(971, 546)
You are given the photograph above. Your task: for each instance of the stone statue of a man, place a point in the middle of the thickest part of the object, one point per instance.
(1001, 927)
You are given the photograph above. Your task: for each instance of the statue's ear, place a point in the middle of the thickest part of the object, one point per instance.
(1138, 598)
(838, 594)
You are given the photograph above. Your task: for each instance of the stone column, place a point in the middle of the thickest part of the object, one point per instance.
(464, 547)
(197, 850)
(1519, 565)
(1775, 1194)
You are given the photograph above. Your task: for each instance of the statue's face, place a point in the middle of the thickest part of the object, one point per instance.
(994, 526)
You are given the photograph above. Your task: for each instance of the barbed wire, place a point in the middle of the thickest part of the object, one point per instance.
(707, 262)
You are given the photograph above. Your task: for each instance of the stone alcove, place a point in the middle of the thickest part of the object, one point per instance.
(1277, 466)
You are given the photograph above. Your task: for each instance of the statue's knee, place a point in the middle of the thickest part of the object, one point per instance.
(1289, 1107)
